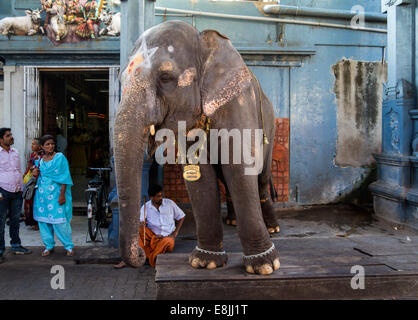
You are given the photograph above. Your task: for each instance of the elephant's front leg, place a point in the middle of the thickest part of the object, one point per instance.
(260, 255)
(205, 200)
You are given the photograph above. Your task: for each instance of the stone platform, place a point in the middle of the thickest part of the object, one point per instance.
(310, 269)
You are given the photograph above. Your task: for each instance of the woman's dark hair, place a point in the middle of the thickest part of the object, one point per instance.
(3, 132)
(154, 189)
(45, 138)
(38, 140)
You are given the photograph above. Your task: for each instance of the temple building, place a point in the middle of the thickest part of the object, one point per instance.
(322, 65)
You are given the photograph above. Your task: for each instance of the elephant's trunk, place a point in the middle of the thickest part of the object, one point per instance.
(129, 146)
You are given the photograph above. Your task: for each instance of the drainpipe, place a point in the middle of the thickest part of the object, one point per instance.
(321, 12)
(268, 19)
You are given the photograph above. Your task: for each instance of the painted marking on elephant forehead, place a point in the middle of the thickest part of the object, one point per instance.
(170, 49)
(166, 66)
(187, 77)
(146, 53)
(135, 62)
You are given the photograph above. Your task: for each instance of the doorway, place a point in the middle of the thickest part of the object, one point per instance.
(75, 110)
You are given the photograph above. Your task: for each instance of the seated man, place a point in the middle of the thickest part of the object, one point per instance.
(163, 220)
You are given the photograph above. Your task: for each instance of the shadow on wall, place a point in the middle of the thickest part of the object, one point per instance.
(361, 195)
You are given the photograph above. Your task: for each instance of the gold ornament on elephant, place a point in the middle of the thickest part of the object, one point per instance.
(191, 172)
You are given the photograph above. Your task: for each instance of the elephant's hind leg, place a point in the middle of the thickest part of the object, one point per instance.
(205, 199)
(267, 209)
(231, 218)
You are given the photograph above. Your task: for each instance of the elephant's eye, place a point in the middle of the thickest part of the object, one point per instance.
(166, 77)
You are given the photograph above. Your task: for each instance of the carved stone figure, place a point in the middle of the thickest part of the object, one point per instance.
(176, 73)
(90, 12)
(47, 7)
(58, 23)
(74, 13)
(26, 25)
(112, 22)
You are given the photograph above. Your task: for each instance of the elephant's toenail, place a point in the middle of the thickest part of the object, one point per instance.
(195, 263)
(202, 264)
(266, 269)
(276, 264)
(211, 265)
(250, 269)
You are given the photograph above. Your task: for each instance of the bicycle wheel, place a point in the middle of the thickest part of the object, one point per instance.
(103, 197)
(93, 215)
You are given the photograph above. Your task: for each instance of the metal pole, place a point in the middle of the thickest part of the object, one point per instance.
(137, 16)
(322, 12)
(264, 19)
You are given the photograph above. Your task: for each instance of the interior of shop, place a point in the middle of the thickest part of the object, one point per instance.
(75, 110)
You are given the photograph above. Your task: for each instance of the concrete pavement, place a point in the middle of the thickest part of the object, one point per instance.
(29, 277)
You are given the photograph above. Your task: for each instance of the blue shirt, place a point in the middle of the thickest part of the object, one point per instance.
(161, 221)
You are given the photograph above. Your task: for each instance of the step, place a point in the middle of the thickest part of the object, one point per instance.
(309, 274)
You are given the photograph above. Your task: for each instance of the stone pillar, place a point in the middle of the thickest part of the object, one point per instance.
(396, 191)
(136, 17)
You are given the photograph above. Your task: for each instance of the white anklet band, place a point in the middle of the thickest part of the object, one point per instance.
(210, 252)
(260, 254)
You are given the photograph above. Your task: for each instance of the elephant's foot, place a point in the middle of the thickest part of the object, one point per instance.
(263, 263)
(269, 217)
(230, 217)
(274, 230)
(200, 258)
(231, 222)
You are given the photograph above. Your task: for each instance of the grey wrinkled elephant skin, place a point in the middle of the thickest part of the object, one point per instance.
(176, 73)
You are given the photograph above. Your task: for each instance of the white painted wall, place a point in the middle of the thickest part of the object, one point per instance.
(1, 101)
(13, 109)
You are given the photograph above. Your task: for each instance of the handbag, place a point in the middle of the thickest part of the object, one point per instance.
(27, 177)
(29, 187)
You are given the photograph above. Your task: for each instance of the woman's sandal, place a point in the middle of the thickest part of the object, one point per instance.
(47, 252)
(70, 253)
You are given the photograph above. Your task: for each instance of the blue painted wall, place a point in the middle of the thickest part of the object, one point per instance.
(302, 93)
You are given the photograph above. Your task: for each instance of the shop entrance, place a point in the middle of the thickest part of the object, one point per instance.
(75, 110)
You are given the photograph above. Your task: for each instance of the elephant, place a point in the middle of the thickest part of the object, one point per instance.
(176, 73)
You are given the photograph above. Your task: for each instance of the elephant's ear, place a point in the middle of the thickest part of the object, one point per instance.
(224, 73)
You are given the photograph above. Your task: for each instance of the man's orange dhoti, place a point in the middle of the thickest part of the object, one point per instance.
(154, 245)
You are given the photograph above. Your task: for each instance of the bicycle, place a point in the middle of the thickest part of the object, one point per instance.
(97, 203)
